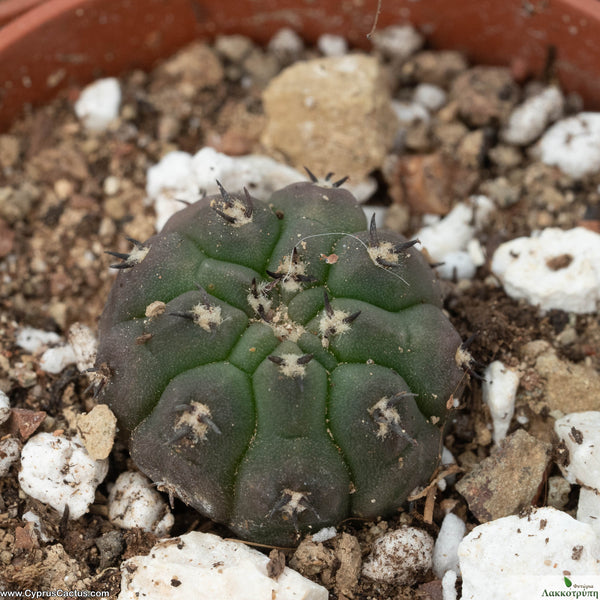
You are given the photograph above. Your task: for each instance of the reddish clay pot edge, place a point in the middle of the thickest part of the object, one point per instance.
(62, 43)
(11, 9)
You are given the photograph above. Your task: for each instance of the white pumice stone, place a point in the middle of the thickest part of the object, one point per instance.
(410, 112)
(445, 552)
(261, 175)
(32, 340)
(400, 557)
(448, 239)
(449, 585)
(588, 508)
(99, 103)
(327, 533)
(554, 268)
(363, 190)
(84, 344)
(173, 172)
(457, 264)
(54, 360)
(10, 450)
(447, 457)
(4, 407)
(379, 212)
(170, 184)
(573, 145)
(332, 45)
(499, 390)
(432, 97)
(476, 252)
(111, 185)
(286, 42)
(522, 419)
(179, 176)
(59, 472)
(529, 120)
(397, 41)
(447, 460)
(202, 566)
(516, 557)
(134, 503)
(580, 434)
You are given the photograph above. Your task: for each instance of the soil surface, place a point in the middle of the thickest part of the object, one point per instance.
(67, 195)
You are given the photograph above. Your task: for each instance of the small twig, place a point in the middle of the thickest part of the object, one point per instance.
(434, 481)
(377, 13)
(429, 505)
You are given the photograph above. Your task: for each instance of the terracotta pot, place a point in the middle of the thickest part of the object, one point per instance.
(61, 43)
(11, 9)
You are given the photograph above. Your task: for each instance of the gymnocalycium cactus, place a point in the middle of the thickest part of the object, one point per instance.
(280, 366)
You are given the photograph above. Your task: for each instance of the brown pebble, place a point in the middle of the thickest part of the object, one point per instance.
(424, 182)
(485, 95)
(432, 590)
(276, 564)
(508, 480)
(25, 538)
(25, 422)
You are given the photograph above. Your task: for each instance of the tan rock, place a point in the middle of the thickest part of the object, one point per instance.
(59, 571)
(348, 554)
(313, 558)
(97, 430)
(196, 64)
(471, 149)
(436, 67)
(330, 114)
(10, 148)
(568, 387)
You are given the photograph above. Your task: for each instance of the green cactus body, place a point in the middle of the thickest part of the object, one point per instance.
(279, 366)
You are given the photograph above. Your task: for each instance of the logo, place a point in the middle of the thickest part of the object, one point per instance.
(582, 587)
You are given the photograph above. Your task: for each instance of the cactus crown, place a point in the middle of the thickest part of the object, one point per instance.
(280, 366)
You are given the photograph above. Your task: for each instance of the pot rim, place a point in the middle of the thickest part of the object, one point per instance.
(11, 9)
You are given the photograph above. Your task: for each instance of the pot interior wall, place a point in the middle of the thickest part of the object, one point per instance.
(62, 43)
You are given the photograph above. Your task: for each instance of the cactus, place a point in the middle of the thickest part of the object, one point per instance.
(280, 366)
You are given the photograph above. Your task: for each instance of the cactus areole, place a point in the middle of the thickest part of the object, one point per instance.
(279, 365)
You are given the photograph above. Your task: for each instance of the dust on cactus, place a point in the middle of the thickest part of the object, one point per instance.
(280, 366)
